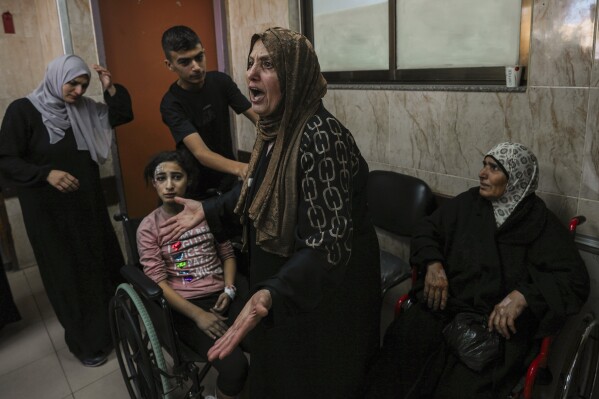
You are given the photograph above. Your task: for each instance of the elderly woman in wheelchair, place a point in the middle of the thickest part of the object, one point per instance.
(497, 272)
(195, 273)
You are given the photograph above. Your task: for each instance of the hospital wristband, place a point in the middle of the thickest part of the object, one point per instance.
(231, 291)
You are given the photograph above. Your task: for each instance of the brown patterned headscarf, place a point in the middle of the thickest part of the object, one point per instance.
(273, 210)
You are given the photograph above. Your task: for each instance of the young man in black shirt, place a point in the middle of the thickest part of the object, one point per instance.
(196, 110)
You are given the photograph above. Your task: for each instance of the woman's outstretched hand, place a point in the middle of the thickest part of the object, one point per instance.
(191, 215)
(436, 286)
(254, 310)
(505, 313)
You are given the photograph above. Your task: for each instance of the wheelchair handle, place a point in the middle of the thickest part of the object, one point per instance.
(120, 217)
(576, 221)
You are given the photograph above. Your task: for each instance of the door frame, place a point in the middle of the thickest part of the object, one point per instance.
(222, 64)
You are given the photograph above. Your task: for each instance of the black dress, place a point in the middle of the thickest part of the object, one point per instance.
(323, 329)
(9, 313)
(73, 241)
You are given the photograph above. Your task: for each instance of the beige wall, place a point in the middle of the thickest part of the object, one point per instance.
(26, 52)
(441, 136)
(23, 60)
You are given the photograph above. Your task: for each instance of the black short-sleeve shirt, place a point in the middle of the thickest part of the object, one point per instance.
(206, 112)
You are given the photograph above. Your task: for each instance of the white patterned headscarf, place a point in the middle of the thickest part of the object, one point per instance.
(522, 170)
(88, 118)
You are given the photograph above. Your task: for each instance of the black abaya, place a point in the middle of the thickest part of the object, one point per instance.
(323, 329)
(73, 240)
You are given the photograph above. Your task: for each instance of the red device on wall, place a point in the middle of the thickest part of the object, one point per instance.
(9, 26)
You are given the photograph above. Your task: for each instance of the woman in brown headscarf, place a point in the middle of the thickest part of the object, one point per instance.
(314, 313)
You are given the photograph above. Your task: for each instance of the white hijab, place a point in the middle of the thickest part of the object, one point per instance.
(523, 177)
(88, 118)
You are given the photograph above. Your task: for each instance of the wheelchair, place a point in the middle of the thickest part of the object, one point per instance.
(578, 376)
(579, 373)
(154, 363)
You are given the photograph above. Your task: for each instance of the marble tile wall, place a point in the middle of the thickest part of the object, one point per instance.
(25, 53)
(23, 60)
(442, 136)
(562, 43)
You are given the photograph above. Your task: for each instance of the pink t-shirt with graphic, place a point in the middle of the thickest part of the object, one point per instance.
(191, 264)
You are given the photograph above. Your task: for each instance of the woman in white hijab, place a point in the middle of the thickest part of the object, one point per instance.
(51, 143)
(497, 254)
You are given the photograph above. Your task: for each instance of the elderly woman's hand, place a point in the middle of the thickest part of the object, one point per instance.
(436, 287)
(505, 313)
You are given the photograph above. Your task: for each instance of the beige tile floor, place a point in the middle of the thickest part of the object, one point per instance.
(35, 361)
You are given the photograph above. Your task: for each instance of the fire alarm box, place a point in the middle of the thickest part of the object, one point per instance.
(9, 26)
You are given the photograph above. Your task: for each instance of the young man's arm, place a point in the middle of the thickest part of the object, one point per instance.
(252, 116)
(211, 159)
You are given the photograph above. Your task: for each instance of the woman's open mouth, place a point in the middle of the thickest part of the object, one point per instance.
(256, 95)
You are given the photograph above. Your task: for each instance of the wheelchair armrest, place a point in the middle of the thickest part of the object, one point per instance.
(394, 270)
(404, 302)
(145, 285)
(540, 362)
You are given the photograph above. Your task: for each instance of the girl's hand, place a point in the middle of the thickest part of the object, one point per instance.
(211, 324)
(222, 304)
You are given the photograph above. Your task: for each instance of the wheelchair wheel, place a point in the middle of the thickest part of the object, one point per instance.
(579, 375)
(137, 348)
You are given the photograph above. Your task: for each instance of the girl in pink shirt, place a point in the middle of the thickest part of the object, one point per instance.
(195, 272)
